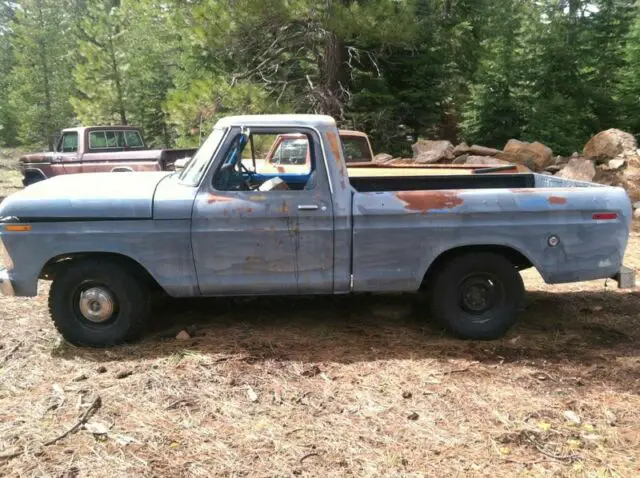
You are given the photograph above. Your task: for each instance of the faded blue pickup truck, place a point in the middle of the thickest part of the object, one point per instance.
(219, 228)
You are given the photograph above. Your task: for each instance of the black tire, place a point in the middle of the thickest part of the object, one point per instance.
(129, 300)
(477, 296)
(32, 179)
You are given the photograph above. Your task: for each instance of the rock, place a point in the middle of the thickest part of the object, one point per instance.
(636, 214)
(578, 169)
(572, 417)
(483, 151)
(513, 158)
(462, 148)
(610, 144)
(97, 428)
(413, 416)
(428, 151)
(101, 369)
(252, 395)
(382, 158)
(617, 163)
(553, 168)
(537, 152)
(183, 335)
(80, 378)
(407, 395)
(461, 159)
(636, 205)
(609, 177)
(486, 160)
(561, 160)
(546, 173)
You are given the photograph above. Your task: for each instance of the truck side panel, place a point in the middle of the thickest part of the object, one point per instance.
(398, 235)
(163, 248)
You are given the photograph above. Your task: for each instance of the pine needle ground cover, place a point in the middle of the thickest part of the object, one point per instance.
(359, 386)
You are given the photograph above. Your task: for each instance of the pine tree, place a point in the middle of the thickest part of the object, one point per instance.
(40, 81)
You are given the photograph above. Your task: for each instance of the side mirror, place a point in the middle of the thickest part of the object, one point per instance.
(56, 142)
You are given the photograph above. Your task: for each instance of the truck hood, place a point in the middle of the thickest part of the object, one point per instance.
(88, 196)
(36, 158)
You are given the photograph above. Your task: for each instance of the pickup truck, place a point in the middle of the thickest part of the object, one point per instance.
(458, 235)
(98, 149)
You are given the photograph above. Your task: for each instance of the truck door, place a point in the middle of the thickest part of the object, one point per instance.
(268, 234)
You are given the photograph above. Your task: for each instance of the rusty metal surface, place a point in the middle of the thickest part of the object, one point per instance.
(397, 235)
(196, 240)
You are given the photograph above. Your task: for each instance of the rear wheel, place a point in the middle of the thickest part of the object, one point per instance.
(477, 295)
(99, 303)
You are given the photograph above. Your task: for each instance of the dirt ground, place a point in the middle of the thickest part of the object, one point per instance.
(360, 386)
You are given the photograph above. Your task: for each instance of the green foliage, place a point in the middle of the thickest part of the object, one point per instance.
(478, 70)
(40, 80)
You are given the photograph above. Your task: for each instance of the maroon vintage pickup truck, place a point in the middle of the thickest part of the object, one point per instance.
(99, 149)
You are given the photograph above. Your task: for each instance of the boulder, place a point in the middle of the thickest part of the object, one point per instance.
(462, 159)
(462, 148)
(579, 169)
(382, 158)
(483, 151)
(616, 163)
(562, 160)
(610, 144)
(427, 151)
(536, 152)
(486, 161)
(514, 158)
(553, 168)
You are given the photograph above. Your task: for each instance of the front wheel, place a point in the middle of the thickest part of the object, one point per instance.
(477, 295)
(99, 303)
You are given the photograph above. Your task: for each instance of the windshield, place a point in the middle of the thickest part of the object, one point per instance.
(197, 166)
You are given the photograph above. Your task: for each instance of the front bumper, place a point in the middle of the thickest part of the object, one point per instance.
(6, 284)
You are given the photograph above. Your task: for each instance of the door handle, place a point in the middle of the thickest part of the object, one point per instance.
(307, 207)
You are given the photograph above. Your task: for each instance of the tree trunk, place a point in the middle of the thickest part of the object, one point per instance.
(44, 63)
(118, 81)
(333, 77)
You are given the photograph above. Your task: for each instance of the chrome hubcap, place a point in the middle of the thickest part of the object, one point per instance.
(96, 304)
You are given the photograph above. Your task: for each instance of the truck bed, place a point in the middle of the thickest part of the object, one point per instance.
(520, 212)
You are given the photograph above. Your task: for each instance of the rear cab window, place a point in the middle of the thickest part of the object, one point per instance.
(355, 149)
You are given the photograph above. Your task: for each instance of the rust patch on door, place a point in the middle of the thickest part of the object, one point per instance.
(425, 201)
(212, 198)
(335, 149)
(557, 200)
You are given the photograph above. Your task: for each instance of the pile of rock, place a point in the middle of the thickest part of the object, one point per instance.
(610, 157)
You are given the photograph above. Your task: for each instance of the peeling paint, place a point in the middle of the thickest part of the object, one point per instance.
(557, 200)
(212, 198)
(426, 201)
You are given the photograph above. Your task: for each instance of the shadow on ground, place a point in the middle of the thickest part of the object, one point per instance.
(586, 328)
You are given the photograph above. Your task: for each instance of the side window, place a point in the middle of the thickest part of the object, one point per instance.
(69, 143)
(97, 140)
(267, 161)
(133, 139)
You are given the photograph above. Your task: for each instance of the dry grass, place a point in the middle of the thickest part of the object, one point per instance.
(330, 387)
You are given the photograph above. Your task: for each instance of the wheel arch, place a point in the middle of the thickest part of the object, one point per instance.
(519, 259)
(55, 264)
